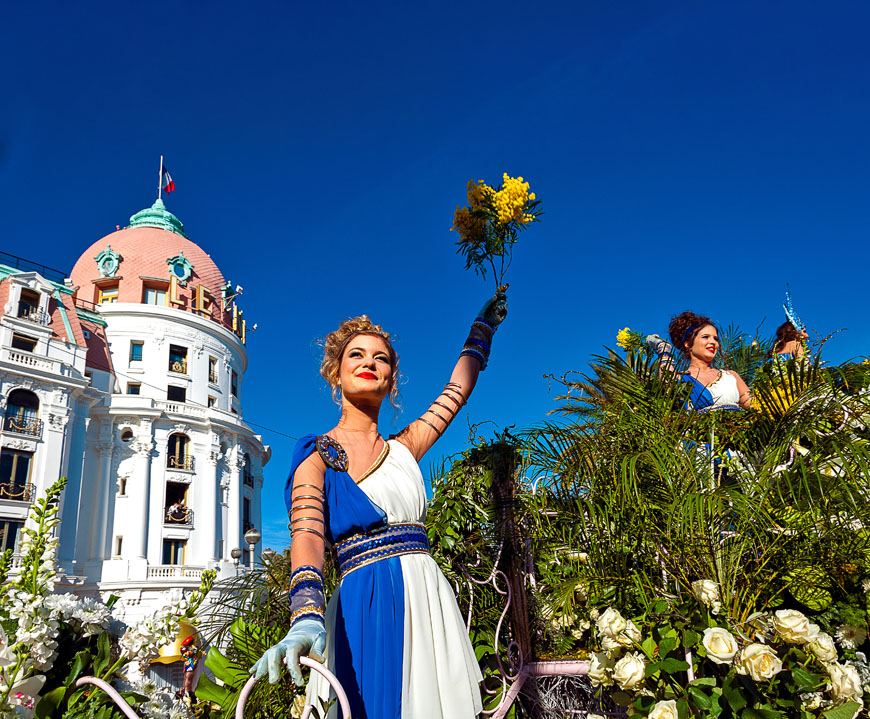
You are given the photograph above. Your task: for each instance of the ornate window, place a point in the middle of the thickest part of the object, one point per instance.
(108, 294)
(247, 473)
(25, 344)
(9, 531)
(154, 296)
(28, 307)
(15, 475)
(136, 347)
(212, 370)
(108, 261)
(178, 452)
(173, 551)
(180, 267)
(178, 359)
(234, 384)
(22, 413)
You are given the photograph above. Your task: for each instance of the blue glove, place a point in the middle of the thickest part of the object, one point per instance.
(495, 309)
(306, 637)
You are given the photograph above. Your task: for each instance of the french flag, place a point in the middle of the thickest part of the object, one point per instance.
(166, 179)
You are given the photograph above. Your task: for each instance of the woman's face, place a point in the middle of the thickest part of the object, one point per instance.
(365, 371)
(706, 344)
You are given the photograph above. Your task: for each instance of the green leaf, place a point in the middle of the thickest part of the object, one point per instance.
(804, 679)
(666, 646)
(104, 654)
(672, 666)
(703, 682)
(682, 708)
(81, 660)
(690, 638)
(649, 646)
(228, 671)
(844, 711)
(652, 668)
(49, 703)
(733, 696)
(207, 690)
(699, 698)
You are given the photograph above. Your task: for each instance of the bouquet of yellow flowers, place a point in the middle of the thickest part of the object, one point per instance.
(490, 224)
(630, 340)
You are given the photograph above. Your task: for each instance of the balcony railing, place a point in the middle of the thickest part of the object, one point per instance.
(248, 479)
(178, 365)
(16, 491)
(212, 377)
(186, 463)
(33, 314)
(31, 426)
(179, 516)
(175, 571)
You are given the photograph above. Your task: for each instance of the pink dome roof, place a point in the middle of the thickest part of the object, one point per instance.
(153, 237)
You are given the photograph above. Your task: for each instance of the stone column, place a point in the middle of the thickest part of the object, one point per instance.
(234, 505)
(207, 507)
(98, 515)
(136, 523)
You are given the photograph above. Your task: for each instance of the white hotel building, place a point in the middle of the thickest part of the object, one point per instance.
(126, 378)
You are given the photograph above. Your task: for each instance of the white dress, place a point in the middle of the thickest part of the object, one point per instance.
(724, 390)
(440, 677)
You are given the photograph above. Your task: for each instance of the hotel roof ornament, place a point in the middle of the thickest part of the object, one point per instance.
(180, 267)
(158, 216)
(108, 261)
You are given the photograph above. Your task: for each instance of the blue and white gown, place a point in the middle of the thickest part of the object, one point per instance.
(395, 637)
(721, 394)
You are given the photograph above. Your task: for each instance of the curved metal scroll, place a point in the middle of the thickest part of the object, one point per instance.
(306, 713)
(128, 712)
(112, 693)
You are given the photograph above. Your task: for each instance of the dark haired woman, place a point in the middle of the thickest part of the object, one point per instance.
(789, 342)
(697, 339)
(392, 631)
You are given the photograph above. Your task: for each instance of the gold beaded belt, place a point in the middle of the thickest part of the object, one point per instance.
(397, 539)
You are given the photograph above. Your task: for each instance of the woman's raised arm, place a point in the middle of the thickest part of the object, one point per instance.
(421, 434)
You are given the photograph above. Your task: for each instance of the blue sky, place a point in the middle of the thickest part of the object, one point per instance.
(688, 155)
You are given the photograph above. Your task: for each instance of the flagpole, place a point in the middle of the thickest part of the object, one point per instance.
(160, 178)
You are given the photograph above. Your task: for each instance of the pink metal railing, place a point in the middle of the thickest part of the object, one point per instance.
(315, 666)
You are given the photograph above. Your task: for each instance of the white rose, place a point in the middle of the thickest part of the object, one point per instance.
(666, 709)
(794, 627)
(706, 591)
(630, 671)
(845, 682)
(611, 623)
(824, 648)
(600, 667)
(759, 661)
(593, 614)
(609, 644)
(720, 645)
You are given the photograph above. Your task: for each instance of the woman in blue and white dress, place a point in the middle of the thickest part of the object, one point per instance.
(392, 631)
(697, 339)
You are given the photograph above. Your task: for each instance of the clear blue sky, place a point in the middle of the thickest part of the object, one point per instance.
(688, 154)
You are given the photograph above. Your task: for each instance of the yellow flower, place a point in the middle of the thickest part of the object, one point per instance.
(622, 337)
(511, 199)
(467, 225)
(479, 193)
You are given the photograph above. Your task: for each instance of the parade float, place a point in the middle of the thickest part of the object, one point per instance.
(630, 556)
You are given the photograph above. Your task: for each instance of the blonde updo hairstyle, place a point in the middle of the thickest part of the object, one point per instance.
(335, 343)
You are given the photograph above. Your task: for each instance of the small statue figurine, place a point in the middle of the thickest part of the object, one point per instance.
(189, 652)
